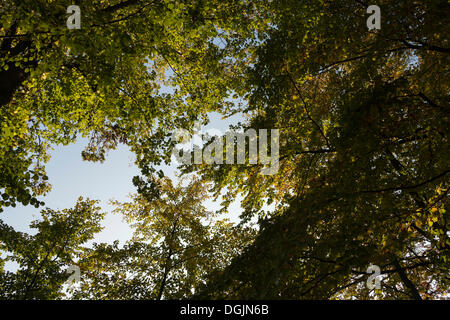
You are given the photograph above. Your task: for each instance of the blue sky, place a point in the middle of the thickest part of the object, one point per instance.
(71, 177)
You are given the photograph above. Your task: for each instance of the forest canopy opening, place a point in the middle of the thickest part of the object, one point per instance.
(358, 95)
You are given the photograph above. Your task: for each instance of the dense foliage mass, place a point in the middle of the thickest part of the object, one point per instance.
(363, 169)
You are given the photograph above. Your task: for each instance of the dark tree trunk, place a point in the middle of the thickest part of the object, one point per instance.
(12, 78)
(167, 266)
(10, 82)
(414, 293)
(166, 273)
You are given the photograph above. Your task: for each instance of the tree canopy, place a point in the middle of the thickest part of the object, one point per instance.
(363, 171)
